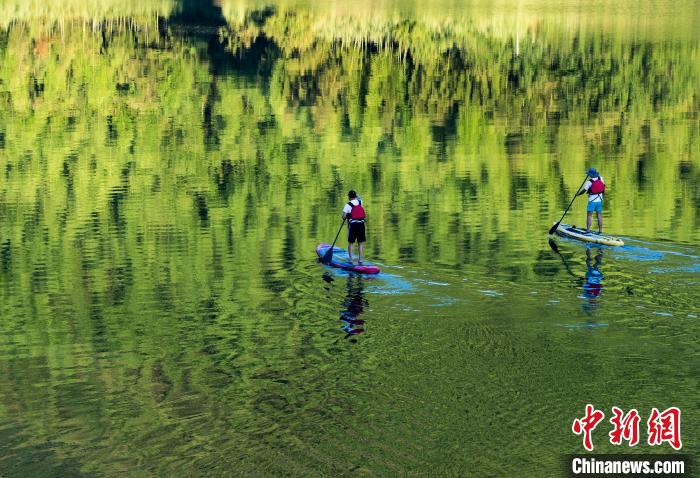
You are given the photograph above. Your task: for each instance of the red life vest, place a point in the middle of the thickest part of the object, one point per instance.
(357, 212)
(597, 186)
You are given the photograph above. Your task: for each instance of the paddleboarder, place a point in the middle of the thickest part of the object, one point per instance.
(594, 187)
(354, 212)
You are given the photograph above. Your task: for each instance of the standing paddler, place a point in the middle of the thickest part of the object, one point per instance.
(354, 212)
(595, 187)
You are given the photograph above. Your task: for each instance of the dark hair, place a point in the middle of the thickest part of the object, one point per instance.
(352, 194)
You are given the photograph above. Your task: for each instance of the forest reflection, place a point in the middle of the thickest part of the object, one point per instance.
(169, 167)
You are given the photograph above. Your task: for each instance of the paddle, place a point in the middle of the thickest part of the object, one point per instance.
(555, 226)
(329, 253)
(555, 248)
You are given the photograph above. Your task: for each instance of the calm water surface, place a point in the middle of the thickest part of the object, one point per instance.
(169, 167)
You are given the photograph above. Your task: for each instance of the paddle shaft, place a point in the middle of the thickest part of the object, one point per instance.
(555, 248)
(329, 253)
(554, 227)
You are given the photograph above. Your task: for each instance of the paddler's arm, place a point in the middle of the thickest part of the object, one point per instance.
(582, 191)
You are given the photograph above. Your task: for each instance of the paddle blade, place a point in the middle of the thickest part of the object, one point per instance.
(328, 256)
(553, 229)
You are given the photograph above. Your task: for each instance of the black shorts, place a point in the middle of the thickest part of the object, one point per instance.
(356, 232)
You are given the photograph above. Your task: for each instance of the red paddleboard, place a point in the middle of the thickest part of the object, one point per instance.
(341, 261)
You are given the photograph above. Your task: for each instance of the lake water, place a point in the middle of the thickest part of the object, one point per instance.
(168, 169)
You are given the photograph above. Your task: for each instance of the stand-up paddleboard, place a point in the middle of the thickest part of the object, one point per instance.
(574, 232)
(341, 260)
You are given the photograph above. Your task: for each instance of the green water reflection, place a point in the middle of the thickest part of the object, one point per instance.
(169, 167)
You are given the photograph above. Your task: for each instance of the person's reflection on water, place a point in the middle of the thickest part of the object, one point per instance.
(352, 306)
(593, 284)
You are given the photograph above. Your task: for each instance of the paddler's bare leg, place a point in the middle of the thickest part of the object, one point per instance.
(588, 221)
(600, 222)
(350, 251)
(361, 249)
